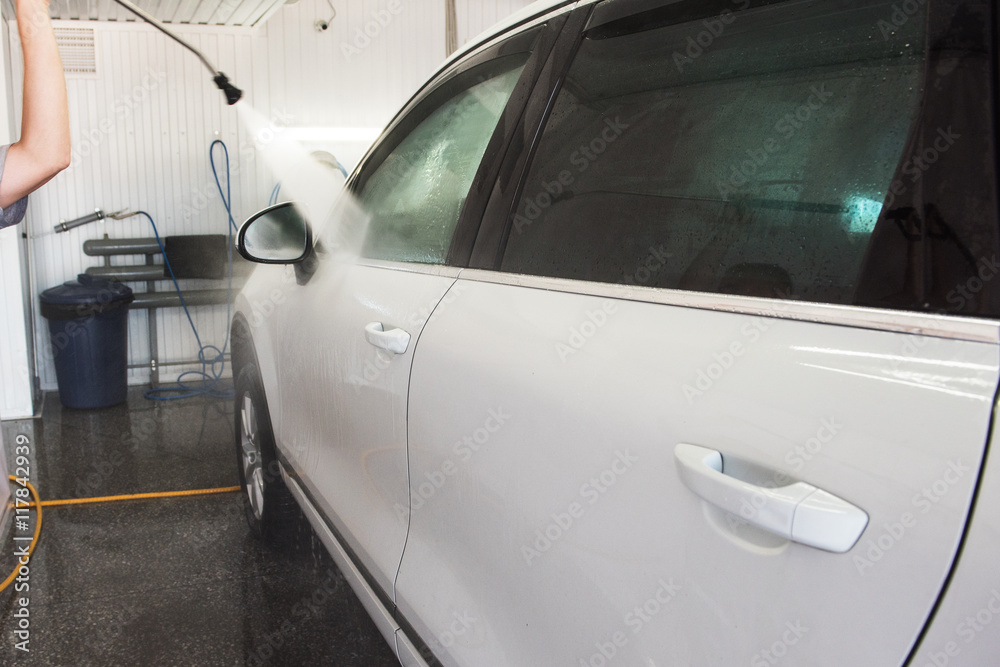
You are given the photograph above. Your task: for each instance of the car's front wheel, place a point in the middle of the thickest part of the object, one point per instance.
(270, 508)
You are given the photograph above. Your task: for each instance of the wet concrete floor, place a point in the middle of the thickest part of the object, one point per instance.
(166, 582)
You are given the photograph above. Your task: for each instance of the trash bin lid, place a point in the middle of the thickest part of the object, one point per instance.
(84, 297)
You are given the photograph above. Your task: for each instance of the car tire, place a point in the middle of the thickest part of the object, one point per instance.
(270, 508)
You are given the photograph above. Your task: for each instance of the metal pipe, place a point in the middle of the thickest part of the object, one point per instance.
(126, 274)
(154, 342)
(99, 247)
(233, 94)
(193, 362)
(206, 297)
(65, 226)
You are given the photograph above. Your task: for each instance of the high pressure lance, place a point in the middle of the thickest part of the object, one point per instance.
(98, 214)
(232, 93)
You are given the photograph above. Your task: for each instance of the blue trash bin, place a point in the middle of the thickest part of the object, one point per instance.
(88, 327)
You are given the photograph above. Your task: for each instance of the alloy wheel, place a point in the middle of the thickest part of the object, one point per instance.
(253, 473)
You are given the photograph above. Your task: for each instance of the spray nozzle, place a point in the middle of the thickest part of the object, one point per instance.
(233, 94)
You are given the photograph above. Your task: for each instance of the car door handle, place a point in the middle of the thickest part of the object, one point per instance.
(394, 340)
(799, 512)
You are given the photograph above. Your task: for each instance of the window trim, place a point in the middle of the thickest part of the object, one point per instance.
(935, 325)
(497, 216)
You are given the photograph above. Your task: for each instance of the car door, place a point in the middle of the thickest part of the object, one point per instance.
(718, 387)
(347, 332)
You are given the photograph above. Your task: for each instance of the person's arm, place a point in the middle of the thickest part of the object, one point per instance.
(43, 149)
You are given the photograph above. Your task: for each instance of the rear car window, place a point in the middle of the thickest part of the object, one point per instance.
(744, 152)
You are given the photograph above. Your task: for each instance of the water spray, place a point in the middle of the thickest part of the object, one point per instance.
(232, 93)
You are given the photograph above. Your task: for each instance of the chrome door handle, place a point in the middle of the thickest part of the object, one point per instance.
(394, 340)
(799, 512)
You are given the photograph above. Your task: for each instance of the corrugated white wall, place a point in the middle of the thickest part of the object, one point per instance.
(142, 129)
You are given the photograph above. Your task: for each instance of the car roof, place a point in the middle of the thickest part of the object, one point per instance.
(524, 15)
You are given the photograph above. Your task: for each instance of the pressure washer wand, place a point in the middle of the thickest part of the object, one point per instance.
(66, 225)
(232, 93)
(98, 214)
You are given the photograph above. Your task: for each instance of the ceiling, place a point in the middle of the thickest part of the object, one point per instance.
(205, 12)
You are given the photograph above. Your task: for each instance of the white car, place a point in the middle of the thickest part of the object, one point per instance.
(673, 340)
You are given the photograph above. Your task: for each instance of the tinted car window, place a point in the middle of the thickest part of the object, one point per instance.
(414, 197)
(744, 152)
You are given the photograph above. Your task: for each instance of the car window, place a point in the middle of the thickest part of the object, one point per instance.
(414, 197)
(744, 152)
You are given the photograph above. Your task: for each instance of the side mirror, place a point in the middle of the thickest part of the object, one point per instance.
(276, 235)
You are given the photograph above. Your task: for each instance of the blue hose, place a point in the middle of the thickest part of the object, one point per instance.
(211, 358)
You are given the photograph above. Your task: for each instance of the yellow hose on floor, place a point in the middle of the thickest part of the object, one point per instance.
(138, 496)
(39, 504)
